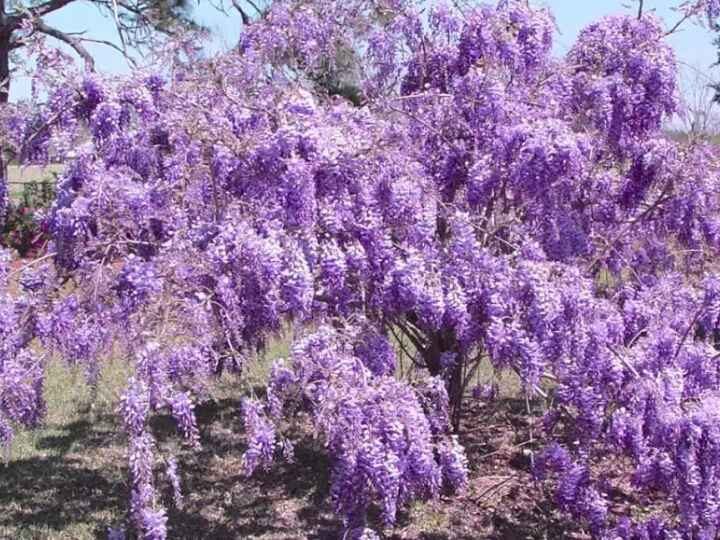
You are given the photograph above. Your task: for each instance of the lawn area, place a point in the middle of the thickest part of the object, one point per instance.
(68, 480)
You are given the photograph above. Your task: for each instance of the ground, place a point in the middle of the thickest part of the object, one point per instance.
(68, 479)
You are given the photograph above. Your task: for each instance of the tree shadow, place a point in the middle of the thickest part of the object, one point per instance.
(87, 433)
(288, 500)
(536, 523)
(58, 492)
(83, 484)
(71, 433)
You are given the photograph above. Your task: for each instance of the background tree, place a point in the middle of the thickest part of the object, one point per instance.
(699, 107)
(136, 22)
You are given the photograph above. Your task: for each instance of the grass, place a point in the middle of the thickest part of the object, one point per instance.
(68, 479)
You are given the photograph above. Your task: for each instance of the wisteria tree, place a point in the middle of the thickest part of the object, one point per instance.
(486, 201)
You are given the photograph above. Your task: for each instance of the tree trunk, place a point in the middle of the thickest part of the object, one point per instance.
(4, 69)
(4, 96)
(439, 344)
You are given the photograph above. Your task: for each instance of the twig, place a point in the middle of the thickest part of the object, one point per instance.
(495, 487)
(424, 124)
(421, 95)
(31, 263)
(661, 199)
(402, 346)
(687, 331)
(532, 435)
(624, 361)
(110, 44)
(494, 452)
(256, 8)
(243, 15)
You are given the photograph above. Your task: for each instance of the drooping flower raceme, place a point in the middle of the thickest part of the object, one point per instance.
(382, 442)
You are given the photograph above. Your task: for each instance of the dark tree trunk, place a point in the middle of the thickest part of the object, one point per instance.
(5, 35)
(6, 30)
(4, 96)
(4, 71)
(5, 42)
(440, 343)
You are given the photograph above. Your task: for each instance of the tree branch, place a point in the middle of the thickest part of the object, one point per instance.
(112, 46)
(74, 42)
(256, 8)
(400, 342)
(678, 24)
(244, 16)
(687, 331)
(49, 7)
(661, 199)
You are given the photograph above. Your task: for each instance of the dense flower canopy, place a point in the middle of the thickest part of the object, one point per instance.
(487, 200)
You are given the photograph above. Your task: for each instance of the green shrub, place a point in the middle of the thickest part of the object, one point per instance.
(25, 229)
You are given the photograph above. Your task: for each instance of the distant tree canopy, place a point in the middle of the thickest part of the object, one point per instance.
(137, 23)
(716, 86)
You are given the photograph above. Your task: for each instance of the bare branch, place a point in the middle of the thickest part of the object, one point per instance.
(405, 351)
(117, 26)
(112, 46)
(49, 7)
(244, 16)
(219, 6)
(625, 362)
(256, 8)
(678, 24)
(31, 263)
(74, 42)
(610, 245)
(640, 9)
(687, 331)
(495, 487)
(414, 339)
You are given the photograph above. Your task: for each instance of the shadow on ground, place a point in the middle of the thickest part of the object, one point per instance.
(72, 485)
(288, 501)
(77, 486)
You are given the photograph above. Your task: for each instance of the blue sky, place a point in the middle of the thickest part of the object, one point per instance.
(692, 43)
